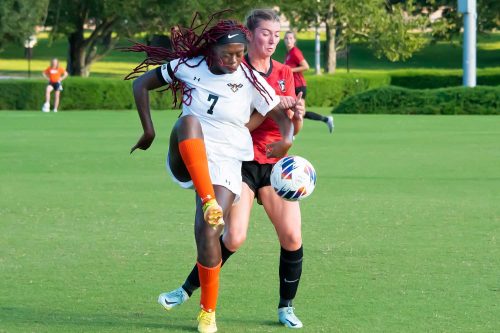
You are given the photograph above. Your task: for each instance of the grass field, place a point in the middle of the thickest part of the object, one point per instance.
(401, 235)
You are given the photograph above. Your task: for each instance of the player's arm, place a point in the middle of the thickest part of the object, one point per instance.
(299, 110)
(65, 75)
(255, 120)
(45, 75)
(302, 67)
(141, 87)
(280, 148)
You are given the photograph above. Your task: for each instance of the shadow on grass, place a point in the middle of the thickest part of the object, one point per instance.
(27, 316)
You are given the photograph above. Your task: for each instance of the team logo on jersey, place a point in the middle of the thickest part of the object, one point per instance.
(281, 83)
(234, 87)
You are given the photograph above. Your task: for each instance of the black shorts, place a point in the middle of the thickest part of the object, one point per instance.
(256, 175)
(56, 85)
(303, 89)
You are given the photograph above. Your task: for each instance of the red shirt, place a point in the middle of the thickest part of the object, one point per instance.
(280, 78)
(293, 59)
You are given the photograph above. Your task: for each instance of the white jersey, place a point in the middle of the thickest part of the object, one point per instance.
(223, 104)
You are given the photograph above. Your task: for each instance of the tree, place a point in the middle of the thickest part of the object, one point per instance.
(18, 19)
(386, 27)
(449, 23)
(110, 20)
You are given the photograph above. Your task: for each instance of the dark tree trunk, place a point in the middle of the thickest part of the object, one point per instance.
(76, 57)
(83, 52)
(330, 51)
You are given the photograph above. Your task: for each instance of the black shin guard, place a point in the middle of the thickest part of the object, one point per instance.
(193, 280)
(290, 272)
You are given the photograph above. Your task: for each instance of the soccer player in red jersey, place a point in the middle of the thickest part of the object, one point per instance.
(295, 59)
(264, 26)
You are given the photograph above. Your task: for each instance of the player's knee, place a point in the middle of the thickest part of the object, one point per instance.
(189, 121)
(291, 241)
(234, 240)
(188, 127)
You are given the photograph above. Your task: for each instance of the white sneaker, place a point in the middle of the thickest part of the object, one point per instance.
(288, 318)
(173, 298)
(330, 124)
(46, 107)
(55, 110)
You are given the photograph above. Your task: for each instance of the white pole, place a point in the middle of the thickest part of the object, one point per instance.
(468, 8)
(317, 51)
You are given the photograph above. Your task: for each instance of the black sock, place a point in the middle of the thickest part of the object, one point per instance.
(193, 280)
(315, 116)
(290, 272)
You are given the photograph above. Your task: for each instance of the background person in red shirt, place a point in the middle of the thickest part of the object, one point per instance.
(55, 75)
(295, 59)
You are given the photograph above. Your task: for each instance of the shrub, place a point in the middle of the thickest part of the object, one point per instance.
(439, 80)
(397, 100)
(78, 94)
(330, 90)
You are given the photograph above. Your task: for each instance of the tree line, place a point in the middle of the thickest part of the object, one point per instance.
(394, 29)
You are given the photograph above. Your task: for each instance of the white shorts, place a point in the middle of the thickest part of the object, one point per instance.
(223, 171)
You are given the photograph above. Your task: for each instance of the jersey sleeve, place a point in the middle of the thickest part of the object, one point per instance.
(266, 100)
(298, 55)
(165, 72)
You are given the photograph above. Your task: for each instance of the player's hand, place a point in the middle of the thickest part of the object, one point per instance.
(278, 149)
(299, 109)
(287, 102)
(144, 142)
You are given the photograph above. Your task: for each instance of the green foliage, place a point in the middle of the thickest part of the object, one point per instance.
(78, 94)
(449, 23)
(439, 80)
(389, 33)
(112, 94)
(329, 90)
(18, 19)
(396, 100)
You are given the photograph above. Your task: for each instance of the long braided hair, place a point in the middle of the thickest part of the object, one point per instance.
(188, 44)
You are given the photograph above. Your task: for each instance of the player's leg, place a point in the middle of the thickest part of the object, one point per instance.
(46, 105)
(286, 218)
(57, 95)
(187, 153)
(313, 115)
(316, 116)
(235, 231)
(209, 259)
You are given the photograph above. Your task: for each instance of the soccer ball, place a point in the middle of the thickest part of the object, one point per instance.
(293, 178)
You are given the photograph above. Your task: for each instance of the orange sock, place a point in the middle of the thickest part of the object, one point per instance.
(195, 159)
(209, 282)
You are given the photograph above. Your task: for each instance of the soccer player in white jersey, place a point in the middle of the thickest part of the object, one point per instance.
(209, 141)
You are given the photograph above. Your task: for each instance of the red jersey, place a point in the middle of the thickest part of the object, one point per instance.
(293, 59)
(280, 78)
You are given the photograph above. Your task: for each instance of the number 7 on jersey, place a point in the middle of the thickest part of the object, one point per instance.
(215, 98)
